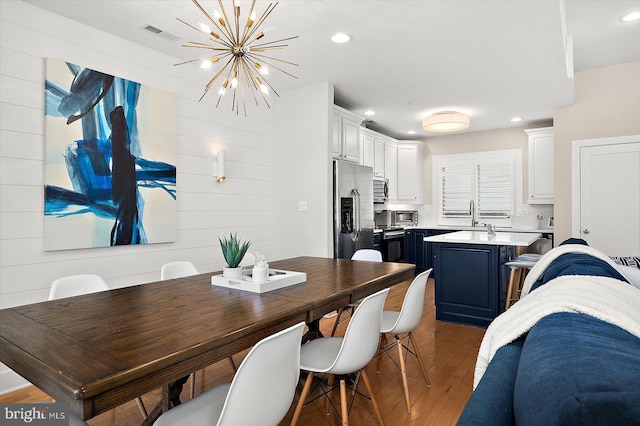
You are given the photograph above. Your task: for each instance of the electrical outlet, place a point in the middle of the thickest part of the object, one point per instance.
(302, 206)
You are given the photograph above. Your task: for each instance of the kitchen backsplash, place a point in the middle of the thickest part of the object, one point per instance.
(528, 219)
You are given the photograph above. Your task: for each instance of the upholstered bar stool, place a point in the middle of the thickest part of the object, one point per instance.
(519, 268)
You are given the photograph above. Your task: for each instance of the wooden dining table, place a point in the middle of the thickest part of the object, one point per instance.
(100, 350)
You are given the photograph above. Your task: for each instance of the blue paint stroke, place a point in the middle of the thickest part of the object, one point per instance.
(106, 166)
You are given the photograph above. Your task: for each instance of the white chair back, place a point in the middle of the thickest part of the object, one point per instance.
(265, 383)
(360, 341)
(412, 306)
(367, 254)
(75, 285)
(177, 269)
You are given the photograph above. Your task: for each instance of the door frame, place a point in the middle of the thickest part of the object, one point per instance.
(576, 147)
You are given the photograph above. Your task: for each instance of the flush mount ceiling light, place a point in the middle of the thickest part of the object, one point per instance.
(516, 119)
(445, 121)
(631, 17)
(340, 38)
(245, 60)
(369, 113)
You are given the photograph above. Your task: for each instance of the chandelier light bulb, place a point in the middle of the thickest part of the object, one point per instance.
(204, 28)
(206, 64)
(219, 17)
(234, 83)
(264, 89)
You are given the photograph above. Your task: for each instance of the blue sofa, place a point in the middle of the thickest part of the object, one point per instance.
(576, 365)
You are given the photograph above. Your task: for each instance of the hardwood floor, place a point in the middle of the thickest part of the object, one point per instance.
(449, 353)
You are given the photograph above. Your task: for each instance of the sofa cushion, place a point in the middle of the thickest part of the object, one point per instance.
(573, 365)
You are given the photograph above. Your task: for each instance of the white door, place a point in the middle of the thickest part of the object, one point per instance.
(610, 198)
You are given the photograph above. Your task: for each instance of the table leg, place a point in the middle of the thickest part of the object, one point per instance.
(170, 398)
(313, 332)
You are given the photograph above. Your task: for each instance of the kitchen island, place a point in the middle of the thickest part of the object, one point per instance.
(470, 276)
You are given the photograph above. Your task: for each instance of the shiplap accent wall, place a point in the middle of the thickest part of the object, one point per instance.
(206, 210)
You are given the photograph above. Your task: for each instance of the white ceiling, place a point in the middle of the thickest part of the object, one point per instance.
(491, 59)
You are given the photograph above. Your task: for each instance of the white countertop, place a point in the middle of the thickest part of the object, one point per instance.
(481, 237)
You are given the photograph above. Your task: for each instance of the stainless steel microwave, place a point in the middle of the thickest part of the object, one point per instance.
(380, 191)
(404, 218)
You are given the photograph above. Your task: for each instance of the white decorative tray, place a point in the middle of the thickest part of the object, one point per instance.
(277, 279)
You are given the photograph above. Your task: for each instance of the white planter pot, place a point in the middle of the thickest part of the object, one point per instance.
(232, 273)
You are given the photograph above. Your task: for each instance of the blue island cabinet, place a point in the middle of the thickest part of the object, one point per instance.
(470, 281)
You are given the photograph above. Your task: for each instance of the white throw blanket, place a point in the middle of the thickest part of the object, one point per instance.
(542, 264)
(607, 299)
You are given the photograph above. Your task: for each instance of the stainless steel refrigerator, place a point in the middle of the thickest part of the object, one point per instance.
(352, 208)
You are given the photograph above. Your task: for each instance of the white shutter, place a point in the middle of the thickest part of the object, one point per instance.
(494, 190)
(456, 190)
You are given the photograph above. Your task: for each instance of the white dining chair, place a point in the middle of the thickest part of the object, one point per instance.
(345, 355)
(179, 269)
(400, 325)
(368, 255)
(76, 285)
(261, 391)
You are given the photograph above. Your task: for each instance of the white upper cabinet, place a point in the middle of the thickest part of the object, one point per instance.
(540, 165)
(391, 168)
(346, 135)
(372, 146)
(409, 172)
(378, 165)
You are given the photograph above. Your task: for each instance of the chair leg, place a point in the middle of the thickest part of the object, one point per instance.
(142, 408)
(420, 362)
(303, 396)
(512, 278)
(405, 383)
(382, 344)
(343, 403)
(327, 401)
(376, 409)
(335, 324)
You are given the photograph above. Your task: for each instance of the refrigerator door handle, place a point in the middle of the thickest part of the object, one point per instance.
(356, 195)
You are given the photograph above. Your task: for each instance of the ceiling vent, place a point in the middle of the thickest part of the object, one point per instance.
(159, 32)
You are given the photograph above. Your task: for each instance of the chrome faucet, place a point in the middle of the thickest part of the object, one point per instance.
(472, 211)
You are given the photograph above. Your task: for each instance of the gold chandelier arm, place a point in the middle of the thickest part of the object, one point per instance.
(213, 21)
(249, 81)
(259, 21)
(266, 45)
(257, 78)
(221, 94)
(270, 64)
(216, 40)
(248, 24)
(227, 27)
(272, 58)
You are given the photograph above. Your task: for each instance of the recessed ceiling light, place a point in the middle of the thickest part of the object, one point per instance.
(516, 119)
(411, 132)
(340, 38)
(630, 17)
(369, 113)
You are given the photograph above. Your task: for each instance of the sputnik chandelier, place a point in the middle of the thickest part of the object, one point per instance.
(244, 53)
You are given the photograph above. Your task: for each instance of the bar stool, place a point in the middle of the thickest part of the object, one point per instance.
(519, 266)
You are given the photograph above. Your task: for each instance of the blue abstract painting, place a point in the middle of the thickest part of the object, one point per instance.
(110, 153)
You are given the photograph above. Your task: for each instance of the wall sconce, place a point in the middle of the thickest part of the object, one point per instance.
(218, 171)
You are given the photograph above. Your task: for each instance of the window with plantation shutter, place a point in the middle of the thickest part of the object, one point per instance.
(456, 190)
(492, 180)
(494, 190)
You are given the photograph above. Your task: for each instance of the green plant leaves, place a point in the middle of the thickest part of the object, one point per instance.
(233, 250)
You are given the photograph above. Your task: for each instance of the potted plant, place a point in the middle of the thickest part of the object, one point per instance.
(233, 251)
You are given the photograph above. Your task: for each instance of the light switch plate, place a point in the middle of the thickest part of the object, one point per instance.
(302, 206)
